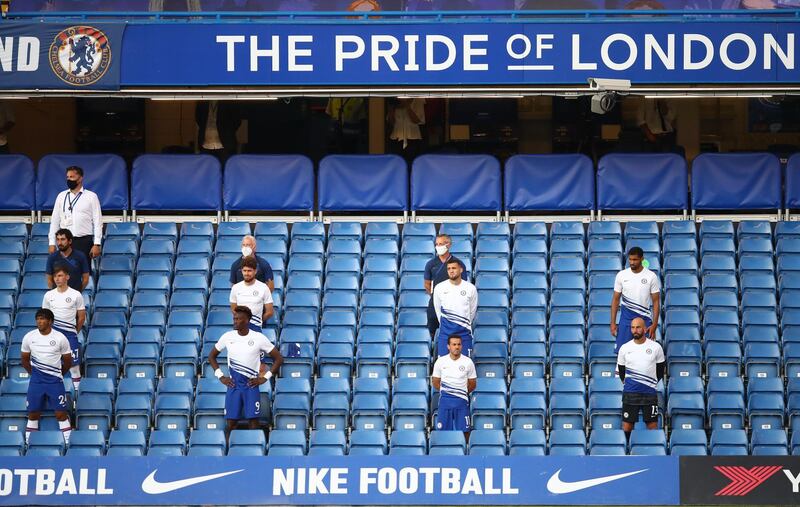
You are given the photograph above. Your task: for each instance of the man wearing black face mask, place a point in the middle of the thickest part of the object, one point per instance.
(78, 210)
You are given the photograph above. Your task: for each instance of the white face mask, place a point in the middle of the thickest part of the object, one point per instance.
(441, 249)
(247, 251)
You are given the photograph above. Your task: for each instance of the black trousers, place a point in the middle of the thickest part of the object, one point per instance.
(433, 322)
(84, 244)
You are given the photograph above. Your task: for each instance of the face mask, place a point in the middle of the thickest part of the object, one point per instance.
(247, 251)
(441, 249)
(72, 184)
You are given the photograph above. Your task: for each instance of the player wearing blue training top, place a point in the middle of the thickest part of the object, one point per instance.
(637, 290)
(641, 365)
(245, 346)
(46, 355)
(456, 304)
(455, 377)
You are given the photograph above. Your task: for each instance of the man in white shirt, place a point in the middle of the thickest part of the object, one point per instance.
(641, 365)
(405, 119)
(78, 210)
(69, 316)
(253, 294)
(455, 302)
(455, 377)
(245, 348)
(46, 356)
(638, 291)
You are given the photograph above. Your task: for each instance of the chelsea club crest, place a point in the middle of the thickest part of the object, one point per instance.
(80, 55)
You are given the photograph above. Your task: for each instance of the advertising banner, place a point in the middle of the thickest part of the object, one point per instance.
(60, 56)
(348, 480)
(744, 480)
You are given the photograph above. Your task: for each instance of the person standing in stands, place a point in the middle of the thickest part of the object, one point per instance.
(638, 291)
(456, 304)
(436, 273)
(47, 358)
(454, 376)
(253, 294)
(245, 348)
(405, 117)
(641, 365)
(78, 210)
(217, 123)
(656, 119)
(69, 313)
(263, 271)
(75, 262)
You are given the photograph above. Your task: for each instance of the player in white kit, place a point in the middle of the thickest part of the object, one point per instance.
(637, 290)
(46, 355)
(69, 310)
(252, 294)
(455, 302)
(245, 348)
(641, 365)
(455, 377)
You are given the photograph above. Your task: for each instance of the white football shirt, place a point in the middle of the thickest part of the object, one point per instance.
(454, 375)
(640, 362)
(253, 296)
(46, 351)
(65, 306)
(636, 290)
(244, 353)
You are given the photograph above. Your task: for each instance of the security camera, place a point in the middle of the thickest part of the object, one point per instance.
(610, 85)
(603, 102)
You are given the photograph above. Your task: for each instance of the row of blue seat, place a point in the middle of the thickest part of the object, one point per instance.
(383, 182)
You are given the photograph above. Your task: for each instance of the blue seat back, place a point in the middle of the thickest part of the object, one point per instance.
(200, 177)
(104, 174)
(290, 178)
(18, 181)
(549, 182)
(477, 187)
(363, 183)
(642, 181)
(736, 181)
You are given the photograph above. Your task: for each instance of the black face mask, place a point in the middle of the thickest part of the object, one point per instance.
(72, 184)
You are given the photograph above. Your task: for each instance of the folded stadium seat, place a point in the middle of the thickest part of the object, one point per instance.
(756, 265)
(729, 442)
(13, 413)
(783, 229)
(488, 406)
(419, 231)
(179, 360)
(567, 403)
(126, 443)
(312, 265)
(528, 406)
(342, 301)
(100, 361)
(105, 335)
(682, 300)
(568, 282)
(372, 248)
(370, 404)
(115, 265)
(760, 326)
(684, 359)
(233, 230)
(374, 360)
(313, 248)
(688, 443)
(150, 302)
(600, 300)
(410, 403)
(307, 230)
(563, 264)
(567, 442)
(717, 246)
(605, 403)
(94, 412)
(527, 442)
(679, 246)
(760, 229)
(251, 442)
(81, 442)
(487, 442)
(527, 284)
(184, 301)
(605, 247)
(331, 405)
(791, 358)
(157, 248)
(412, 265)
(493, 230)
(607, 442)
(380, 265)
(762, 360)
(495, 265)
(413, 360)
(342, 282)
(31, 265)
(490, 247)
(166, 443)
(207, 442)
(566, 360)
(681, 264)
(298, 359)
(756, 282)
(765, 403)
(650, 247)
(567, 230)
(417, 248)
(567, 248)
(119, 248)
(686, 405)
(272, 230)
(183, 334)
(761, 247)
(648, 443)
(154, 266)
(723, 359)
(197, 230)
(412, 282)
(377, 301)
(160, 230)
(192, 265)
(209, 404)
(407, 443)
(601, 264)
(787, 246)
(529, 248)
(719, 322)
(605, 230)
(173, 404)
(327, 443)
(530, 230)
(46, 443)
(759, 301)
(335, 360)
(533, 317)
(291, 407)
(367, 442)
(490, 283)
(413, 335)
(9, 282)
(602, 359)
(719, 301)
(726, 407)
(527, 358)
(719, 282)
(450, 443)
(795, 444)
(786, 263)
(769, 442)
(379, 284)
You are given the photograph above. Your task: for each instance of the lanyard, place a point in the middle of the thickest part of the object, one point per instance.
(71, 203)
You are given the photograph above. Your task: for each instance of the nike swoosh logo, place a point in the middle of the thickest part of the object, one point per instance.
(558, 487)
(152, 487)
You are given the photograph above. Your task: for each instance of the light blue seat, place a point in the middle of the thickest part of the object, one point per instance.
(607, 442)
(367, 440)
(688, 443)
(567, 442)
(523, 442)
(729, 442)
(413, 440)
(648, 443)
(769, 442)
(490, 442)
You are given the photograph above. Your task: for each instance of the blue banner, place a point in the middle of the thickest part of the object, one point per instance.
(469, 480)
(58, 56)
(458, 53)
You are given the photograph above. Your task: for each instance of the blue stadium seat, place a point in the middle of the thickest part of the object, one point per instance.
(726, 406)
(648, 442)
(688, 443)
(567, 442)
(408, 443)
(447, 442)
(607, 442)
(533, 230)
(126, 443)
(85, 439)
(769, 442)
(686, 404)
(368, 442)
(723, 359)
(410, 404)
(166, 443)
(209, 439)
(523, 442)
(729, 442)
(488, 442)
(765, 403)
(567, 403)
(327, 442)
(253, 440)
(52, 441)
(291, 407)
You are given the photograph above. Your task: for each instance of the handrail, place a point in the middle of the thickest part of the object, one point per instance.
(394, 17)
